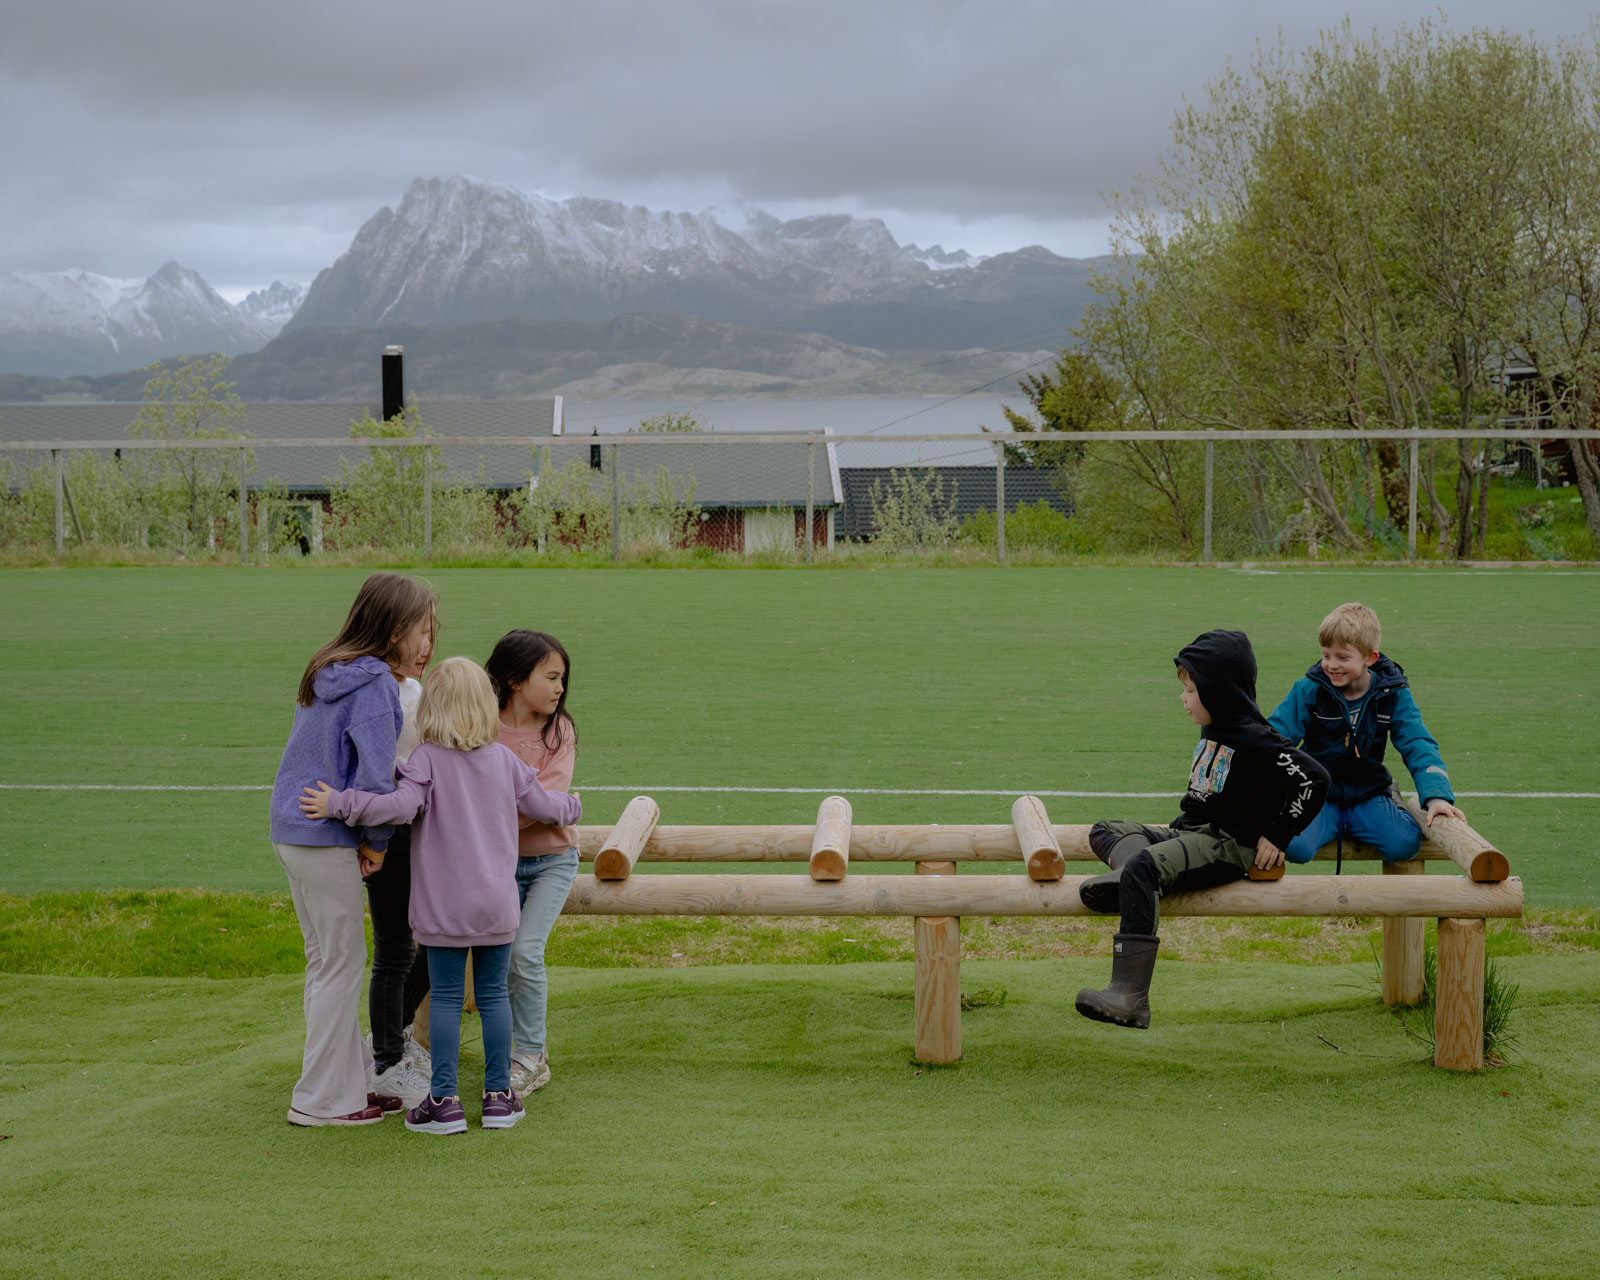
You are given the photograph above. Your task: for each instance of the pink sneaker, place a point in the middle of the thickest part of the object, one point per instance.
(386, 1103)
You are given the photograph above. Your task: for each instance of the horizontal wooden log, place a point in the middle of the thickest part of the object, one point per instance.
(830, 842)
(882, 895)
(626, 841)
(957, 842)
(1462, 845)
(1036, 840)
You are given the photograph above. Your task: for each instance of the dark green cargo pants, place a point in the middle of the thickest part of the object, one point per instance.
(1173, 861)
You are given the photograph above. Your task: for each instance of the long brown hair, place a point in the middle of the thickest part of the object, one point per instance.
(387, 606)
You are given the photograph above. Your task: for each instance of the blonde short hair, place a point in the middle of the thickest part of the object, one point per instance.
(1351, 624)
(458, 708)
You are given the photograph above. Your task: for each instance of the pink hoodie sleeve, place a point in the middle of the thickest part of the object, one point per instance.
(534, 802)
(413, 782)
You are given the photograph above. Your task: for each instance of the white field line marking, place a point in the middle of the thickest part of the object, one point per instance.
(802, 791)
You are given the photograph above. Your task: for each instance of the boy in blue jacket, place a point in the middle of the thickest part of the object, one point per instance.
(1343, 712)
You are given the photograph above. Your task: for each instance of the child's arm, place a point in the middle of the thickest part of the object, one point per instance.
(1420, 751)
(364, 808)
(534, 802)
(372, 745)
(1305, 785)
(556, 775)
(1289, 716)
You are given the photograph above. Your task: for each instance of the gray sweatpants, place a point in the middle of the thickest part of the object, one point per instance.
(325, 883)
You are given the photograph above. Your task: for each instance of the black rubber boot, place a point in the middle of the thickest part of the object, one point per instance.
(1126, 1001)
(1103, 892)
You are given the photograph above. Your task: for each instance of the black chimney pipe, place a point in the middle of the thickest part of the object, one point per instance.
(394, 382)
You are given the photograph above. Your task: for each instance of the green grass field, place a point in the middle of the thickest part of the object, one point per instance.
(763, 1118)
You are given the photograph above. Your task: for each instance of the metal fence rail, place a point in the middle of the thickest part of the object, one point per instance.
(843, 487)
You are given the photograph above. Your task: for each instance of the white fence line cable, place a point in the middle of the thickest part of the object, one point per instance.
(786, 791)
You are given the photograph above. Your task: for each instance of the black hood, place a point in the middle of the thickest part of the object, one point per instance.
(1223, 668)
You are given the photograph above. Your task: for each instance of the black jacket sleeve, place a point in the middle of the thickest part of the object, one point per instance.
(1305, 785)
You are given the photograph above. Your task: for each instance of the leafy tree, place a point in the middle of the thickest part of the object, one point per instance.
(673, 423)
(193, 401)
(1078, 394)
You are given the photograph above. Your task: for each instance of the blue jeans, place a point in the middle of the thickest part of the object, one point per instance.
(542, 886)
(1379, 822)
(447, 972)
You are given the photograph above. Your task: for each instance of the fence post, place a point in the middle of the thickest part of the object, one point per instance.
(1000, 501)
(244, 511)
(61, 529)
(936, 980)
(811, 493)
(427, 503)
(1411, 501)
(1210, 466)
(616, 510)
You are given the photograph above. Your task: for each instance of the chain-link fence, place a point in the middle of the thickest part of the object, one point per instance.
(450, 478)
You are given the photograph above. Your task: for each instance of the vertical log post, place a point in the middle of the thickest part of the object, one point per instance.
(1403, 979)
(830, 845)
(1458, 1003)
(1041, 851)
(936, 980)
(627, 840)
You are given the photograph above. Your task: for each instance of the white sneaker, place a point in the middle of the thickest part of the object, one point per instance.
(413, 1052)
(529, 1073)
(405, 1082)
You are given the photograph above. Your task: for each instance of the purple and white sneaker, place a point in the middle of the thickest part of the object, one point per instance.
(437, 1115)
(501, 1110)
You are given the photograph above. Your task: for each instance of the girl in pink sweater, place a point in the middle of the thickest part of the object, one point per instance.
(530, 672)
(466, 793)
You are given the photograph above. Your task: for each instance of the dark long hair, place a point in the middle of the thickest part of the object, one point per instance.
(387, 606)
(515, 656)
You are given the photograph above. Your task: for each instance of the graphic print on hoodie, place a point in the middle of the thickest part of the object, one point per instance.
(1245, 779)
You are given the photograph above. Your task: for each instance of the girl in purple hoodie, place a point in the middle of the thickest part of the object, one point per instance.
(346, 724)
(466, 792)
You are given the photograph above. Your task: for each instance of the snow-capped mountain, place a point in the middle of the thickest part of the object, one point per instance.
(76, 322)
(460, 251)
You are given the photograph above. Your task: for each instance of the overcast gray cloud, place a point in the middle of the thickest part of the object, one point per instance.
(250, 141)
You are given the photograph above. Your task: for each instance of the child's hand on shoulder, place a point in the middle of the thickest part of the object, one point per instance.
(1268, 855)
(314, 803)
(1443, 809)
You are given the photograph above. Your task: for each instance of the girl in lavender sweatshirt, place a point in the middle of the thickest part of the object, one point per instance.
(466, 792)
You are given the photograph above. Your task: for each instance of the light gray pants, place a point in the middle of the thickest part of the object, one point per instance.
(325, 883)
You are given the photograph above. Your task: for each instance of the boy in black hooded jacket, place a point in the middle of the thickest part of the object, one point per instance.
(1250, 793)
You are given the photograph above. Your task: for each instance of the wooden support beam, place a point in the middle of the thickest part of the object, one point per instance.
(936, 980)
(1036, 840)
(1458, 1003)
(1463, 846)
(1002, 895)
(622, 847)
(830, 843)
(962, 842)
(1402, 972)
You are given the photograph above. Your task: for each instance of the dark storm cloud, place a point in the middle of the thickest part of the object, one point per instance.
(246, 135)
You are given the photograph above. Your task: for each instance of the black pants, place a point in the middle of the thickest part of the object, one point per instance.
(399, 970)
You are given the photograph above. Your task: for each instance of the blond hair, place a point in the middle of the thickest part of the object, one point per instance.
(458, 710)
(1353, 625)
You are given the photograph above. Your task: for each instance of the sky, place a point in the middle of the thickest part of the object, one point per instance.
(251, 141)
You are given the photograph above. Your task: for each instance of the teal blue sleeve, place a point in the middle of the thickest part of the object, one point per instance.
(1288, 719)
(1420, 751)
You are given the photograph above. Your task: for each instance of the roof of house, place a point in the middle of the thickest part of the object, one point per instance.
(963, 491)
(307, 469)
(708, 472)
